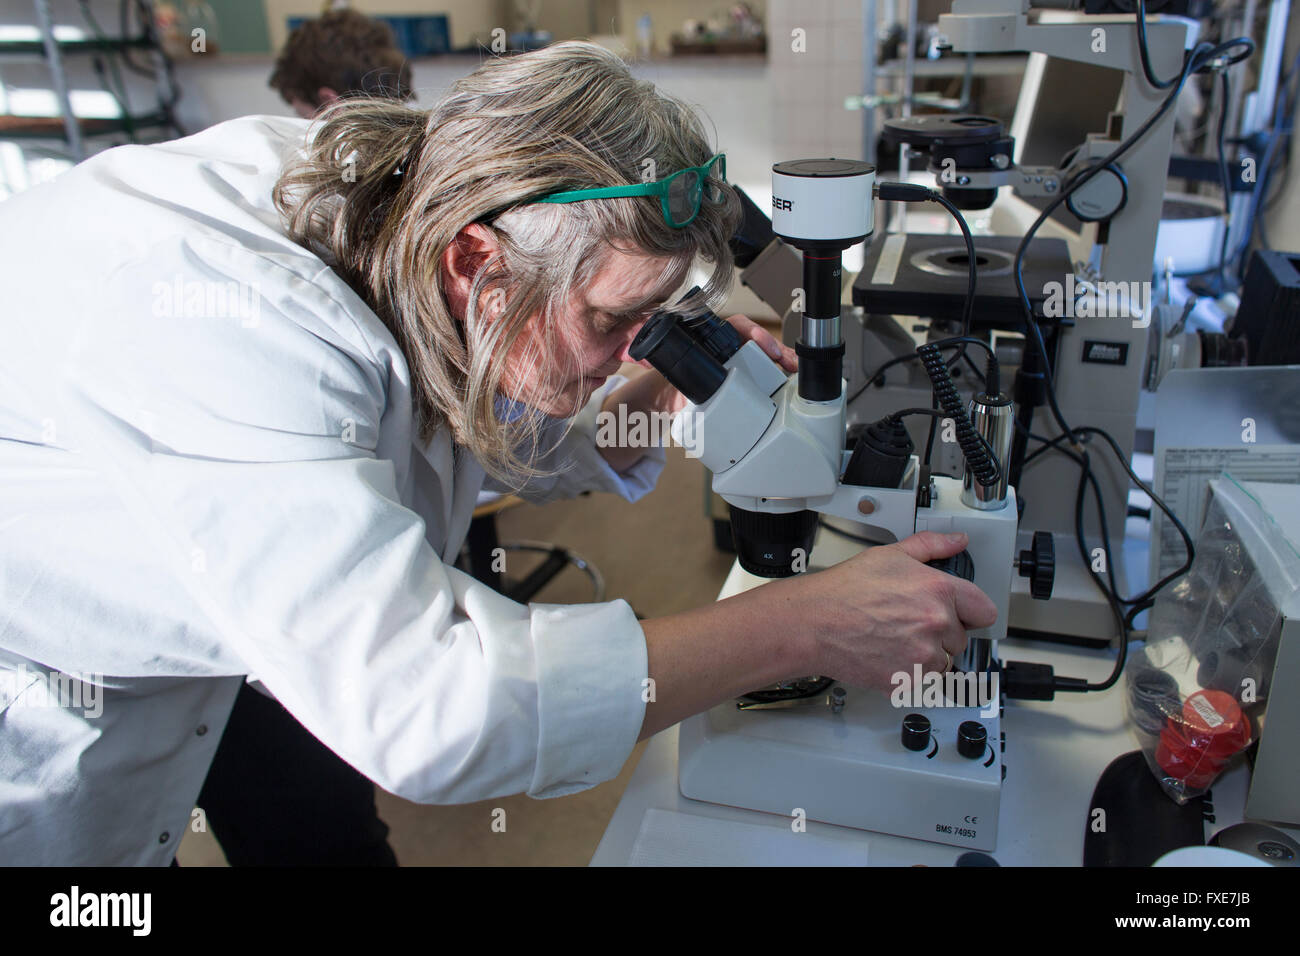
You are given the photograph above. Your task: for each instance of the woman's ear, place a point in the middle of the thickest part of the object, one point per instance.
(468, 253)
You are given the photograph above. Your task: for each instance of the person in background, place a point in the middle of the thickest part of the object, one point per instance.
(339, 53)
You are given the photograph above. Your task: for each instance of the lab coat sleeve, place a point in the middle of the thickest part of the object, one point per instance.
(247, 456)
(571, 461)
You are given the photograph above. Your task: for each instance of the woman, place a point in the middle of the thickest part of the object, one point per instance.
(246, 418)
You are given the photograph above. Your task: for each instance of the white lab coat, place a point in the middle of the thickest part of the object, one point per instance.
(201, 481)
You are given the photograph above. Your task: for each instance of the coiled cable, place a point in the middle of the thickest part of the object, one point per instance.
(976, 451)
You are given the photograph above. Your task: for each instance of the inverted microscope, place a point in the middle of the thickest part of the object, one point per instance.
(782, 457)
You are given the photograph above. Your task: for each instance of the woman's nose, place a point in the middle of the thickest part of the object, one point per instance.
(626, 343)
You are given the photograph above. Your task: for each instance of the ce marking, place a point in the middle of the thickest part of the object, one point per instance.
(971, 820)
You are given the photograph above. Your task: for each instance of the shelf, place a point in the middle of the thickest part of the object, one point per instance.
(997, 65)
(107, 45)
(52, 127)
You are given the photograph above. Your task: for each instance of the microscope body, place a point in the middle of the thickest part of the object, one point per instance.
(924, 761)
(772, 451)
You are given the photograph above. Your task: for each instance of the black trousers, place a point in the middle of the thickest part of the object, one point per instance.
(277, 796)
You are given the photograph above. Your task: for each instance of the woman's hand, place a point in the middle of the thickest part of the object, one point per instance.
(861, 622)
(882, 611)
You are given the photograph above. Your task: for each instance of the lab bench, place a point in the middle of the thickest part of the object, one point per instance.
(1055, 753)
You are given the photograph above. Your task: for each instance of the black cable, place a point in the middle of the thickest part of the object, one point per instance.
(1223, 180)
(1188, 544)
(897, 360)
(910, 192)
(912, 357)
(1145, 55)
(1109, 588)
(937, 415)
(1204, 56)
(913, 192)
(984, 466)
(1159, 502)
(968, 309)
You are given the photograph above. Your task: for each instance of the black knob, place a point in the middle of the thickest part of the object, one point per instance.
(1039, 565)
(971, 739)
(916, 731)
(960, 565)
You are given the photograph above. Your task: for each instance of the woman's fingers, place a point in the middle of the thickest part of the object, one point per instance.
(749, 329)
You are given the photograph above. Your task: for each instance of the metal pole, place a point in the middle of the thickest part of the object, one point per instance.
(72, 130)
(869, 30)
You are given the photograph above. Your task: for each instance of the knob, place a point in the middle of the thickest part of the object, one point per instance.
(916, 731)
(960, 565)
(971, 739)
(1038, 564)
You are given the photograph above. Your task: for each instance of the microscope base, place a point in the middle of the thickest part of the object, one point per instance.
(850, 768)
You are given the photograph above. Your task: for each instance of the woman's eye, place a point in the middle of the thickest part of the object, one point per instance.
(611, 323)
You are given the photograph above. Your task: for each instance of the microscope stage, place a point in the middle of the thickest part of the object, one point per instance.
(850, 768)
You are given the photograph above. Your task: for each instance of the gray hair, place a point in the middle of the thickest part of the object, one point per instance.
(570, 116)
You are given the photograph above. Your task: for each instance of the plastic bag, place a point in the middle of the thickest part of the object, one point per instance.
(1198, 689)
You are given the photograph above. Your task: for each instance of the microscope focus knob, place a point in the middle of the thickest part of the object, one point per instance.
(916, 731)
(972, 737)
(960, 565)
(1038, 563)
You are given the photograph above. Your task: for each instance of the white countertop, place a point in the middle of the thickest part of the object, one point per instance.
(1055, 753)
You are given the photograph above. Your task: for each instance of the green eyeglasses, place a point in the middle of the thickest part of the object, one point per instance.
(680, 194)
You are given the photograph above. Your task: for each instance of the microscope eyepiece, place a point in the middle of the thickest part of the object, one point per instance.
(665, 343)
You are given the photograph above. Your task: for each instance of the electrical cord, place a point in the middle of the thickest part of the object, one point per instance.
(985, 467)
(1225, 184)
(1109, 590)
(913, 356)
(911, 192)
(983, 454)
(1204, 56)
(1145, 55)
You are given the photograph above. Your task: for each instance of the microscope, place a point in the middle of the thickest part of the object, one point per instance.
(920, 765)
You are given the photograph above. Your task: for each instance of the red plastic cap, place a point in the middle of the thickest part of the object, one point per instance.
(1211, 730)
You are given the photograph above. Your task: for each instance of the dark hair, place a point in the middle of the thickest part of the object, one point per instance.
(345, 51)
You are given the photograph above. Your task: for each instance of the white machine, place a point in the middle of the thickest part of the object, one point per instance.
(777, 448)
(1099, 357)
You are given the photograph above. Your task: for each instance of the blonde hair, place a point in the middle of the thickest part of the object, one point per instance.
(384, 189)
